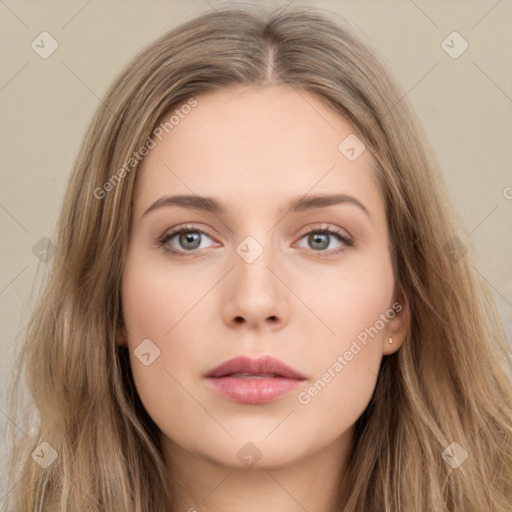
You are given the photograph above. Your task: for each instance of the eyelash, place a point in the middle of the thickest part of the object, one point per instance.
(162, 241)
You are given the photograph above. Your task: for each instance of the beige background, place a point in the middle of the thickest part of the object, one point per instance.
(465, 105)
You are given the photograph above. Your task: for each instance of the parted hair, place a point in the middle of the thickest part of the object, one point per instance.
(449, 381)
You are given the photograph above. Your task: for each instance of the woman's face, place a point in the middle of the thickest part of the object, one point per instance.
(256, 277)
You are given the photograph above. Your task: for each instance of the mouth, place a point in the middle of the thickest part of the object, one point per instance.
(253, 376)
(253, 381)
(265, 367)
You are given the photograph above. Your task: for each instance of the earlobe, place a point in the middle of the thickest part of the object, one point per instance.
(397, 327)
(120, 341)
(121, 335)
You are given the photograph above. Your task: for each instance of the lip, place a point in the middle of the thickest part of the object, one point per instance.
(266, 379)
(262, 365)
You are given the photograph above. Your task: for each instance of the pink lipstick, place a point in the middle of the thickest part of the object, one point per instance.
(253, 381)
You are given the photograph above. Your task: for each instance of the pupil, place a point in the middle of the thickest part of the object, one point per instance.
(317, 238)
(191, 237)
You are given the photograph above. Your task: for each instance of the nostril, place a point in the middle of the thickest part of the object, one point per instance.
(239, 319)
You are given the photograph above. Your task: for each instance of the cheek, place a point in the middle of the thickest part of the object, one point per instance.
(161, 307)
(147, 317)
(353, 298)
(152, 299)
(336, 399)
(347, 363)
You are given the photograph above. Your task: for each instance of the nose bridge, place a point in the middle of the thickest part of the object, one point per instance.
(253, 258)
(255, 294)
(256, 248)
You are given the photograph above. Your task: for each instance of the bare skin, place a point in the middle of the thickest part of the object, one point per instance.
(300, 301)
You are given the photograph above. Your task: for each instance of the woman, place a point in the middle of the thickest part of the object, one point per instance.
(261, 296)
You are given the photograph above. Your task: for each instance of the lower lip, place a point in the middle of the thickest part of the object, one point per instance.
(253, 391)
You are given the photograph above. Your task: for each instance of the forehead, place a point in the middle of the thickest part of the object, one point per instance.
(252, 145)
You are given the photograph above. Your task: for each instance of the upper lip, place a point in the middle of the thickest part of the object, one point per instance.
(262, 365)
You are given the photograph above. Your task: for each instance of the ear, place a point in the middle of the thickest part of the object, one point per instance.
(121, 334)
(398, 325)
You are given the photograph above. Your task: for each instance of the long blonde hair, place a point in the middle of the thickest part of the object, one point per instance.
(449, 382)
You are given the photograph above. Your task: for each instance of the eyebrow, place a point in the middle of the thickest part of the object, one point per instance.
(296, 205)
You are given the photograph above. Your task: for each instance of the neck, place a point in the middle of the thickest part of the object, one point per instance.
(309, 483)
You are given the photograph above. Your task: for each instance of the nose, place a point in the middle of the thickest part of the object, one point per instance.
(254, 297)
